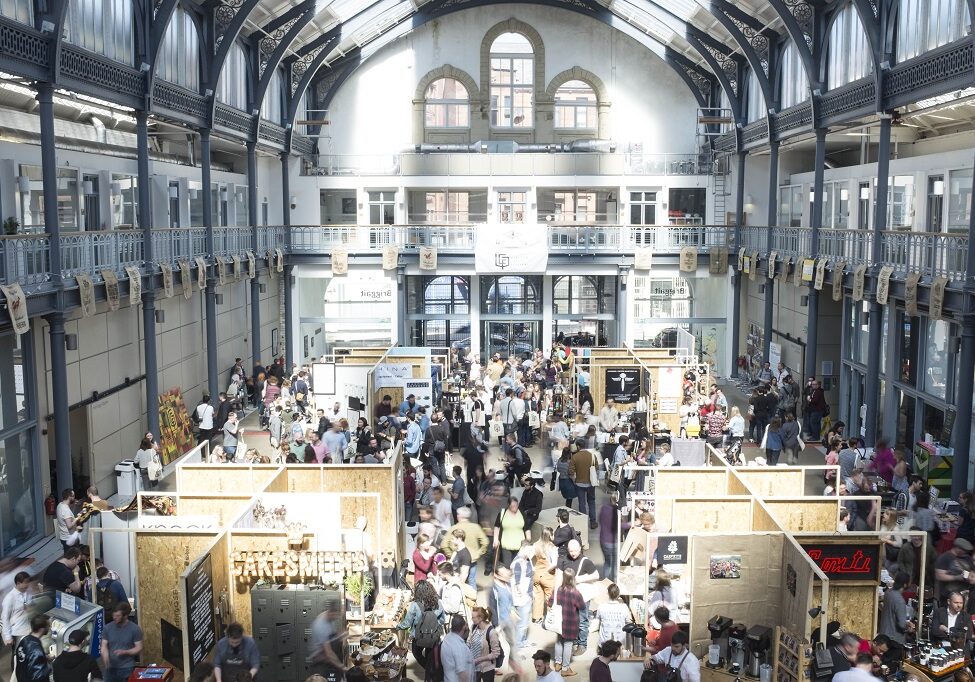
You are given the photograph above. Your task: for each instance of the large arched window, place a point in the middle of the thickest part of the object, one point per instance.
(793, 83)
(446, 104)
(179, 55)
(102, 26)
(575, 106)
(512, 82)
(754, 98)
(511, 295)
(232, 86)
(272, 108)
(433, 303)
(923, 25)
(849, 57)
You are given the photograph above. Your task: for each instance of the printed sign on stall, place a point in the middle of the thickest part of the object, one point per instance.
(623, 385)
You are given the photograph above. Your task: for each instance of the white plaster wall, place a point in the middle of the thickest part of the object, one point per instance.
(372, 111)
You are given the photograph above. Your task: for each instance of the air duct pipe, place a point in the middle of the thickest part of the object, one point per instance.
(509, 147)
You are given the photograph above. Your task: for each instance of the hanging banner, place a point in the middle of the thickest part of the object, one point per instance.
(279, 254)
(883, 284)
(741, 258)
(753, 262)
(688, 259)
(201, 273)
(111, 289)
(910, 294)
(251, 265)
(236, 261)
(221, 271)
(643, 259)
(797, 273)
(772, 257)
(135, 285)
(16, 307)
(747, 266)
(622, 385)
(718, 257)
(820, 274)
(506, 248)
(937, 304)
(86, 290)
(784, 270)
(428, 258)
(185, 279)
(390, 257)
(838, 280)
(340, 261)
(808, 269)
(858, 282)
(167, 278)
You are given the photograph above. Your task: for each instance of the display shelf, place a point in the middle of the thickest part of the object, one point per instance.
(789, 656)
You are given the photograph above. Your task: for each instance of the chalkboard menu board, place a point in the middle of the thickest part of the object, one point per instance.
(199, 606)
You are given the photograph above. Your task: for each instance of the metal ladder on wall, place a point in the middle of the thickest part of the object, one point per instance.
(712, 122)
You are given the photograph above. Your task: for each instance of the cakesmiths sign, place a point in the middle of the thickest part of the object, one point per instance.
(301, 564)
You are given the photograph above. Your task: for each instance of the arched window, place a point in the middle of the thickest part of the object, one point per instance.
(512, 82)
(754, 98)
(102, 26)
(575, 106)
(579, 295)
(923, 25)
(232, 86)
(272, 108)
(446, 104)
(18, 10)
(511, 295)
(179, 55)
(793, 83)
(849, 57)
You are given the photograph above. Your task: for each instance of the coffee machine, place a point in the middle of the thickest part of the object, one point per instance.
(717, 626)
(736, 648)
(758, 641)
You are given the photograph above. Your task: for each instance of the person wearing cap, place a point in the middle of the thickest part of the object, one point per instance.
(75, 665)
(543, 667)
(954, 570)
(531, 498)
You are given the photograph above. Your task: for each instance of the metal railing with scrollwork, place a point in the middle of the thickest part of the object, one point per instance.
(930, 254)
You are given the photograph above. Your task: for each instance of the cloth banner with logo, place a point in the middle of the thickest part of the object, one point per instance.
(17, 308)
(718, 260)
(279, 255)
(883, 284)
(111, 289)
(201, 272)
(236, 261)
(783, 272)
(135, 284)
(838, 280)
(221, 271)
(858, 282)
(797, 272)
(643, 259)
(772, 257)
(185, 279)
(808, 269)
(390, 257)
(910, 294)
(820, 275)
(937, 304)
(688, 259)
(86, 291)
(428, 258)
(504, 248)
(251, 265)
(753, 266)
(741, 259)
(340, 261)
(167, 278)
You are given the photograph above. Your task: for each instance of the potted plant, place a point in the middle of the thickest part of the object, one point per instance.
(10, 226)
(358, 587)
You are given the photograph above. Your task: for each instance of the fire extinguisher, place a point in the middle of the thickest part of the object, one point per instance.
(50, 504)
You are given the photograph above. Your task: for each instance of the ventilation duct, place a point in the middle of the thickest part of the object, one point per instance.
(509, 147)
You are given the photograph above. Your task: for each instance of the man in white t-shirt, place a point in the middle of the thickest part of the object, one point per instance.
(64, 523)
(677, 658)
(204, 416)
(543, 667)
(442, 510)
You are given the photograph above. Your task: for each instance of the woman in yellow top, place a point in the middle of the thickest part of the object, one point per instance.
(509, 533)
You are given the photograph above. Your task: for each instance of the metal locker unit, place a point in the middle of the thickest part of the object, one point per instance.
(281, 620)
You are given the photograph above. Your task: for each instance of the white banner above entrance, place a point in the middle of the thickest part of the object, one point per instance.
(515, 249)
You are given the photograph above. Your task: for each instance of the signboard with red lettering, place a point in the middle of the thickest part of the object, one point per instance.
(859, 562)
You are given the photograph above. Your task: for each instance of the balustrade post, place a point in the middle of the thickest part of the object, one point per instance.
(210, 296)
(149, 290)
(871, 387)
(812, 321)
(288, 268)
(773, 204)
(735, 331)
(255, 285)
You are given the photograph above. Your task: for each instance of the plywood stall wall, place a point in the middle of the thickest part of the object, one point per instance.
(219, 568)
(303, 478)
(774, 482)
(762, 519)
(240, 589)
(378, 479)
(597, 375)
(810, 514)
(798, 576)
(278, 484)
(226, 509)
(162, 556)
(761, 574)
(727, 515)
(237, 479)
(855, 607)
(681, 482)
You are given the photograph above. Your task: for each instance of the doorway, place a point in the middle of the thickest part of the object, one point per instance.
(509, 338)
(93, 218)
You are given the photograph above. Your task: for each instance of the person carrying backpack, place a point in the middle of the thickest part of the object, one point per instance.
(424, 619)
(108, 591)
(485, 644)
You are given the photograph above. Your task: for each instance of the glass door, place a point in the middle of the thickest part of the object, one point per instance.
(92, 213)
(509, 338)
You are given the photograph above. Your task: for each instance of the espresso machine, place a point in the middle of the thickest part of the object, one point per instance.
(736, 648)
(717, 626)
(758, 641)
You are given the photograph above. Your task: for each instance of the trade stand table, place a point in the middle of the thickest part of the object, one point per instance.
(925, 674)
(151, 673)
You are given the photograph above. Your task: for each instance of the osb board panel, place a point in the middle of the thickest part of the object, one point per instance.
(809, 515)
(774, 481)
(226, 478)
(227, 509)
(240, 592)
(304, 478)
(733, 516)
(369, 507)
(761, 574)
(854, 606)
(797, 590)
(735, 485)
(278, 484)
(396, 393)
(162, 558)
(762, 519)
(597, 376)
(680, 482)
(352, 479)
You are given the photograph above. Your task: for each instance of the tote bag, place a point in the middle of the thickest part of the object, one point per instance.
(497, 428)
(553, 619)
(533, 420)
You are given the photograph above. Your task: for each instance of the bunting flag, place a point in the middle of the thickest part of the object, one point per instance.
(428, 258)
(390, 257)
(937, 304)
(185, 279)
(340, 261)
(858, 282)
(86, 290)
(236, 261)
(741, 259)
(111, 289)
(167, 278)
(910, 294)
(201, 273)
(838, 280)
(883, 284)
(753, 266)
(251, 265)
(772, 258)
(688, 259)
(820, 274)
(280, 259)
(718, 261)
(17, 308)
(797, 272)
(221, 271)
(135, 284)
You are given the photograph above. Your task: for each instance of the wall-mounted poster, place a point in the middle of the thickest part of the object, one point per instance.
(725, 566)
(623, 385)
(672, 549)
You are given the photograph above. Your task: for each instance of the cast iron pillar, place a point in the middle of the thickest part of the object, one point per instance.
(773, 205)
(735, 331)
(255, 284)
(210, 296)
(149, 288)
(812, 322)
(289, 341)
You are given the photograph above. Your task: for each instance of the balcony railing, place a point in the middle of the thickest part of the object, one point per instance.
(26, 258)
